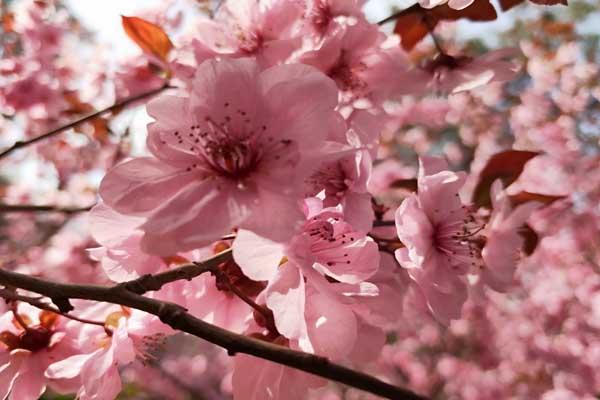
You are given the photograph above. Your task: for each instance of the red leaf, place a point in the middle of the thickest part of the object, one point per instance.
(149, 37)
(506, 166)
(508, 4)
(524, 197)
(414, 23)
(48, 319)
(550, 2)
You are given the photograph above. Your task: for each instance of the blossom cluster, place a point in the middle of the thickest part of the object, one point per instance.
(275, 142)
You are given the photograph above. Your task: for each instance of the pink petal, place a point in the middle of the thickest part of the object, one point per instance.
(331, 325)
(196, 216)
(29, 385)
(68, 368)
(142, 184)
(258, 257)
(285, 296)
(299, 99)
(9, 370)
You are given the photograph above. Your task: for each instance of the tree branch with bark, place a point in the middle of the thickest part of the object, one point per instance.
(129, 294)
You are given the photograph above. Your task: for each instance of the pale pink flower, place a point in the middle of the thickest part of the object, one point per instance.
(234, 153)
(343, 181)
(101, 354)
(259, 379)
(321, 316)
(437, 230)
(320, 15)
(502, 248)
(243, 28)
(120, 255)
(26, 353)
(212, 299)
(353, 56)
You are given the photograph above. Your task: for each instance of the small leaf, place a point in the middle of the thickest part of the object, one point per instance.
(506, 166)
(524, 197)
(10, 340)
(148, 36)
(508, 4)
(48, 319)
(550, 2)
(414, 23)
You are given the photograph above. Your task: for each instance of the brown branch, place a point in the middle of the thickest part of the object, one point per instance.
(379, 224)
(148, 283)
(10, 295)
(15, 208)
(177, 317)
(56, 131)
(391, 17)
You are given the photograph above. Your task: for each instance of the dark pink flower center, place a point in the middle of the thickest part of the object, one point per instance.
(332, 177)
(320, 16)
(457, 239)
(345, 75)
(233, 148)
(327, 238)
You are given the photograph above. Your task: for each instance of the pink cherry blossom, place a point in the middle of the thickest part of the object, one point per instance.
(128, 337)
(257, 379)
(228, 154)
(320, 15)
(327, 246)
(26, 352)
(245, 28)
(501, 251)
(353, 56)
(436, 229)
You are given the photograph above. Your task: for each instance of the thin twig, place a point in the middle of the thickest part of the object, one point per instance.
(379, 224)
(390, 18)
(15, 208)
(56, 131)
(37, 303)
(148, 283)
(178, 318)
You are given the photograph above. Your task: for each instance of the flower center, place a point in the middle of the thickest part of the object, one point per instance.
(34, 338)
(459, 241)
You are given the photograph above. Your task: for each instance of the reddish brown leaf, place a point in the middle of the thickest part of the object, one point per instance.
(8, 22)
(524, 197)
(414, 23)
(148, 36)
(506, 166)
(531, 239)
(479, 10)
(412, 27)
(508, 4)
(48, 319)
(408, 184)
(10, 340)
(550, 2)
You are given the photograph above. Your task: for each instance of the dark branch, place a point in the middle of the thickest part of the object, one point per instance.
(14, 208)
(54, 132)
(178, 318)
(148, 283)
(378, 224)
